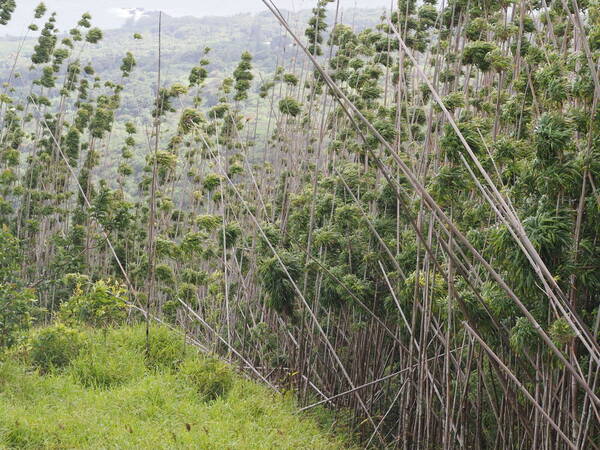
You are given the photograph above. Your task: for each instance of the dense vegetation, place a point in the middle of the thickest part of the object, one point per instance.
(411, 241)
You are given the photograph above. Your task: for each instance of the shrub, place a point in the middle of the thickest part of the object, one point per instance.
(10, 373)
(101, 305)
(166, 347)
(16, 313)
(211, 377)
(55, 347)
(17, 303)
(104, 366)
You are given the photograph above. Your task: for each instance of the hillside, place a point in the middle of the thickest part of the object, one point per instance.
(396, 222)
(108, 396)
(184, 39)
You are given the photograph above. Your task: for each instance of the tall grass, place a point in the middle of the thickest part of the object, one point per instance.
(110, 397)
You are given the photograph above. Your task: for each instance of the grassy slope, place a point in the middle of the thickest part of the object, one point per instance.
(141, 407)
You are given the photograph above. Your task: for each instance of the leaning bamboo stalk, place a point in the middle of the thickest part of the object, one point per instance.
(153, 187)
(371, 383)
(224, 341)
(522, 388)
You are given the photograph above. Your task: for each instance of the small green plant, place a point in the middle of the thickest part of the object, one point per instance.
(16, 313)
(167, 349)
(211, 377)
(18, 304)
(101, 304)
(20, 435)
(55, 347)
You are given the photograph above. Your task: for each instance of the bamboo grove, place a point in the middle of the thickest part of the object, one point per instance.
(413, 242)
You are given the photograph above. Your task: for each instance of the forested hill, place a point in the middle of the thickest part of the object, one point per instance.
(184, 40)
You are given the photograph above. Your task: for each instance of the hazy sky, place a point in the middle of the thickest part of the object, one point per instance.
(111, 13)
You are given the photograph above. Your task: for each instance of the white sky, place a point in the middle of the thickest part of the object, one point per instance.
(109, 13)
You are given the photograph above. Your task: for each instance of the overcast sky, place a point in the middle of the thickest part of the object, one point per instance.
(112, 13)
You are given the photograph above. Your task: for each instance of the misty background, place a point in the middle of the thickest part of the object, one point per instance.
(110, 14)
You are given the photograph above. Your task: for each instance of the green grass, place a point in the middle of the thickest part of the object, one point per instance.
(109, 396)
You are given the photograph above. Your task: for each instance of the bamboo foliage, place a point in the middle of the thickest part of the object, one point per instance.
(413, 242)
